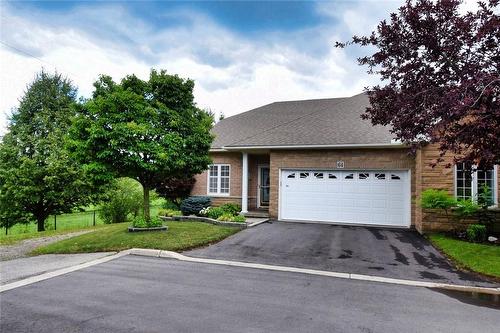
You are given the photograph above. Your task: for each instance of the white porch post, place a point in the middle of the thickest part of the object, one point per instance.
(244, 184)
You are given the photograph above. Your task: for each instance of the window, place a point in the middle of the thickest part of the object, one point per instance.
(292, 175)
(304, 174)
(395, 177)
(469, 183)
(218, 179)
(349, 176)
(380, 176)
(363, 175)
(318, 175)
(332, 176)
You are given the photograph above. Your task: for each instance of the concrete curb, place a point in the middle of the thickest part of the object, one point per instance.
(181, 257)
(62, 271)
(350, 276)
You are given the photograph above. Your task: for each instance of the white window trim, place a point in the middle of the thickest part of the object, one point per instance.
(219, 177)
(494, 190)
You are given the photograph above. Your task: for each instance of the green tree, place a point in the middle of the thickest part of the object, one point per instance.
(37, 176)
(146, 130)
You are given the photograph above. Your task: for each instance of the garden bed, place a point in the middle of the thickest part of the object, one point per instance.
(193, 218)
(132, 229)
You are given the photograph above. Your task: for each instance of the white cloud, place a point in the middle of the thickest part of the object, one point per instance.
(232, 73)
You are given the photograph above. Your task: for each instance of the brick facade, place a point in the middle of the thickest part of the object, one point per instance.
(438, 177)
(423, 176)
(233, 159)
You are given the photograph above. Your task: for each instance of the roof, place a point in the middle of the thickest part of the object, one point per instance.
(316, 122)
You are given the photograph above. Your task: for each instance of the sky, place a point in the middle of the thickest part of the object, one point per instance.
(241, 55)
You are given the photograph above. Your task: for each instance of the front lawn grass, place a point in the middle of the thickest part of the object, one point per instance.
(481, 258)
(115, 237)
(15, 238)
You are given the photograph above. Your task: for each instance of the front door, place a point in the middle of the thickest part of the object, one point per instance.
(263, 186)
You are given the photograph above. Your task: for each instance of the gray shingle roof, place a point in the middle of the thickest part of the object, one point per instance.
(334, 121)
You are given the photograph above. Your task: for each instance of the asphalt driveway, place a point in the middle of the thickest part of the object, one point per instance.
(395, 253)
(138, 294)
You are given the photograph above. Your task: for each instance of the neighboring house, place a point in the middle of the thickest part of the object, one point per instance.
(317, 160)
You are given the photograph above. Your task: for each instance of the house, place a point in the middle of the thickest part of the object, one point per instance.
(317, 160)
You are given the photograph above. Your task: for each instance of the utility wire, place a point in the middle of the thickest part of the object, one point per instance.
(35, 57)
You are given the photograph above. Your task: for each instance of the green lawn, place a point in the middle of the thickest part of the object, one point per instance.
(65, 222)
(481, 258)
(115, 237)
(14, 238)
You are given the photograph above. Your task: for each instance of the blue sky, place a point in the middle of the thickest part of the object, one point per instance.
(240, 54)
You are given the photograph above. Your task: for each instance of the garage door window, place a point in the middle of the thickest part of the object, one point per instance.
(380, 176)
(349, 176)
(364, 175)
(218, 179)
(332, 176)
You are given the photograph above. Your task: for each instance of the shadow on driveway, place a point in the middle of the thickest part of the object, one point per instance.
(394, 253)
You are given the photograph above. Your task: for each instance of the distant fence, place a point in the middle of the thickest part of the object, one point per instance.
(66, 221)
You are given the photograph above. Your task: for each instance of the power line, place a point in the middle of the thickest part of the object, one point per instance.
(35, 57)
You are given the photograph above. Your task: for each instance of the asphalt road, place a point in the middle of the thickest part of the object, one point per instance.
(394, 253)
(22, 268)
(140, 294)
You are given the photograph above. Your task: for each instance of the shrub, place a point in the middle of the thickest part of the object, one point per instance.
(466, 208)
(169, 212)
(239, 218)
(123, 198)
(193, 205)
(168, 204)
(231, 208)
(215, 212)
(225, 217)
(476, 233)
(140, 222)
(437, 199)
(231, 218)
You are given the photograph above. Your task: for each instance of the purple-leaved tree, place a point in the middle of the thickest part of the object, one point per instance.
(440, 73)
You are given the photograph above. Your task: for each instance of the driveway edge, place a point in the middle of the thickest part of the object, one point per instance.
(341, 275)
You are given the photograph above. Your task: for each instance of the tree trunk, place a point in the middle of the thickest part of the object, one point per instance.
(40, 221)
(146, 202)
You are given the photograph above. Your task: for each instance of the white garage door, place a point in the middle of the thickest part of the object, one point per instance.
(360, 197)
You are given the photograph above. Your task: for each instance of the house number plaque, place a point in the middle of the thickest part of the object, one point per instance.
(340, 164)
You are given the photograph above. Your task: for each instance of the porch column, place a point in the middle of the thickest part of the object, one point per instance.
(244, 184)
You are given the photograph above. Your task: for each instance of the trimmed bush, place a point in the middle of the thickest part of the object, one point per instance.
(231, 208)
(476, 233)
(193, 205)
